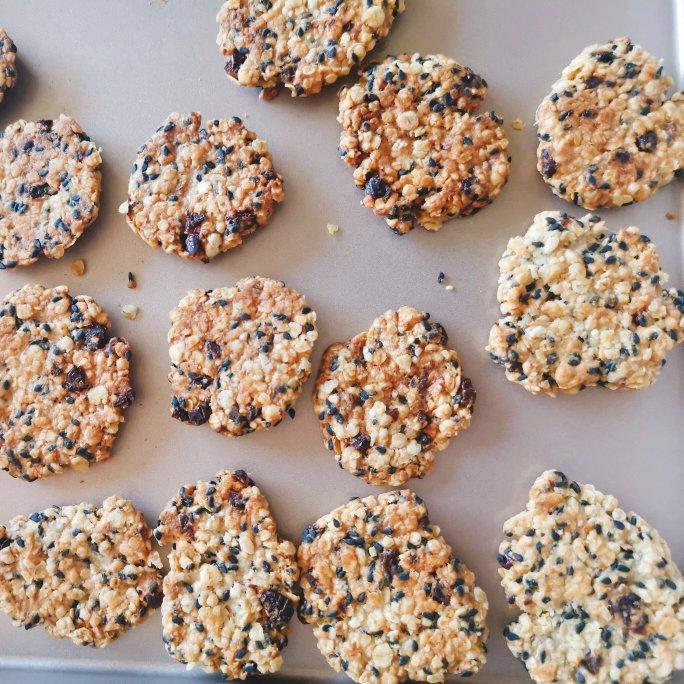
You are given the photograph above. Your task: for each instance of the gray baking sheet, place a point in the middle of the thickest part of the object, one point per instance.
(119, 67)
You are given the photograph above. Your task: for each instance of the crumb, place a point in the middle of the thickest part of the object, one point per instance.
(518, 124)
(129, 311)
(132, 282)
(449, 287)
(333, 229)
(440, 277)
(123, 207)
(78, 267)
(670, 216)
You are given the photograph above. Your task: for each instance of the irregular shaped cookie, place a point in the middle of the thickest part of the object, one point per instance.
(301, 45)
(608, 132)
(196, 191)
(391, 397)
(602, 600)
(8, 62)
(420, 149)
(49, 189)
(64, 382)
(84, 573)
(387, 599)
(582, 306)
(232, 584)
(240, 355)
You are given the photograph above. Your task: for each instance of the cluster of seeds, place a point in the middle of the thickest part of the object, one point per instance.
(64, 382)
(232, 584)
(387, 599)
(84, 573)
(602, 600)
(582, 306)
(49, 189)
(303, 45)
(391, 397)
(240, 355)
(199, 191)
(8, 61)
(420, 149)
(608, 133)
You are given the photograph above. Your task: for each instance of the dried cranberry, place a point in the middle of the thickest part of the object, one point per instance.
(360, 442)
(647, 142)
(376, 187)
(125, 398)
(234, 61)
(389, 561)
(467, 394)
(200, 414)
(548, 164)
(212, 349)
(76, 380)
(279, 608)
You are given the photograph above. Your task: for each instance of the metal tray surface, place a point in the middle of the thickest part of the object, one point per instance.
(119, 68)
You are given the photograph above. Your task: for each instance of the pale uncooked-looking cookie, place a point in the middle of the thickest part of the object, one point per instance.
(85, 573)
(391, 397)
(232, 584)
(49, 188)
(198, 191)
(8, 63)
(582, 306)
(64, 382)
(602, 600)
(387, 599)
(608, 132)
(240, 355)
(420, 149)
(302, 45)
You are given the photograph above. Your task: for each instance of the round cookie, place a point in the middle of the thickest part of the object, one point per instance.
(391, 397)
(240, 355)
(420, 149)
(387, 599)
(64, 382)
(198, 191)
(49, 189)
(582, 306)
(602, 600)
(84, 573)
(608, 133)
(231, 588)
(8, 61)
(301, 45)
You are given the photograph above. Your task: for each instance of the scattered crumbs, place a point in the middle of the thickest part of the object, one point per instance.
(123, 207)
(333, 229)
(518, 124)
(132, 283)
(78, 267)
(449, 287)
(670, 216)
(129, 311)
(440, 277)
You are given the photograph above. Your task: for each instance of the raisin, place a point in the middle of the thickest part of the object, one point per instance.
(212, 349)
(467, 394)
(95, 337)
(242, 222)
(38, 191)
(376, 187)
(125, 399)
(242, 476)
(234, 62)
(279, 608)
(236, 501)
(200, 414)
(190, 238)
(647, 142)
(76, 380)
(548, 164)
(389, 561)
(627, 607)
(360, 442)
(591, 664)
(438, 334)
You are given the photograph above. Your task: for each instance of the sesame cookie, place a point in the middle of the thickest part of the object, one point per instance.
(582, 306)
(49, 189)
(64, 382)
(240, 355)
(8, 61)
(84, 573)
(391, 397)
(608, 132)
(232, 584)
(602, 600)
(198, 191)
(387, 599)
(301, 45)
(420, 149)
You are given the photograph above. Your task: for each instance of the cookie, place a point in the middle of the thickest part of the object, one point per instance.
(602, 600)
(423, 153)
(64, 382)
(231, 588)
(8, 62)
(240, 355)
(609, 134)
(198, 191)
(582, 306)
(84, 573)
(387, 599)
(49, 189)
(301, 45)
(391, 397)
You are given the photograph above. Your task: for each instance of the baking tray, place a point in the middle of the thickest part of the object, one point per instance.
(119, 68)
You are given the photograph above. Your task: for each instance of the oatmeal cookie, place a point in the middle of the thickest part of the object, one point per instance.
(608, 132)
(198, 191)
(301, 45)
(602, 600)
(8, 63)
(391, 397)
(582, 306)
(240, 355)
(49, 189)
(421, 150)
(64, 382)
(387, 599)
(232, 584)
(84, 573)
